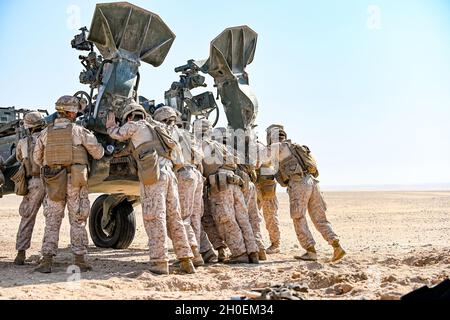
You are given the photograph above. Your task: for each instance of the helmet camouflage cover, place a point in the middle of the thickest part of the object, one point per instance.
(32, 119)
(164, 113)
(70, 104)
(133, 107)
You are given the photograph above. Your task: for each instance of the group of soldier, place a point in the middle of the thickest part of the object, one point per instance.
(198, 189)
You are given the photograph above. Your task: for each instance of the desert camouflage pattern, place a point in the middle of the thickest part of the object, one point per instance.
(28, 210)
(138, 133)
(77, 199)
(226, 221)
(304, 194)
(78, 208)
(269, 208)
(190, 190)
(243, 219)
(210, 235)
(250, 196)
(80, 137)
(162, 217)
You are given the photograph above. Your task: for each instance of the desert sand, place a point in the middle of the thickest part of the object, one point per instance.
(396, 242)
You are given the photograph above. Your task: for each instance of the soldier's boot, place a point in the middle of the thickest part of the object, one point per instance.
(198, 259)
(187, 266)
(310, 255)
(338, 253)
(161, 268)
(243, 258)
(253, 257)
(274, 248)
(262, 255)
(222, 255)
(20, 258)
(46, 264)
(80, 262)
(209, 256)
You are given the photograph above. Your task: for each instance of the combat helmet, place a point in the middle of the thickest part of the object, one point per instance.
(32, 120)
(133, 108)
(164, 113)
(70, 104)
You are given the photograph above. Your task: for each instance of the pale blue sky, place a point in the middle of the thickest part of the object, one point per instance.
(372, 103)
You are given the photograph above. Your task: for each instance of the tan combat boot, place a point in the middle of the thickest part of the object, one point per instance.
(339, 253)
(262, 255)
(161, 268)
(81, 263)
(253, 258)
(20, 258)
(222, 255)
(187, 266)
(46, 264)
(243, 258)
(209, 256)
(274, 248)
(310, 255)
(198, 259)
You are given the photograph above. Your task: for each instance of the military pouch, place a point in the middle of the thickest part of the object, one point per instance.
(148, 167)
(56, 184)
(20, 181)
(79, 176)
(235, 179)
(268, 191)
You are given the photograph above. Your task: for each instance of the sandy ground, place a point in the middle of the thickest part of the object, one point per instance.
(396, 242)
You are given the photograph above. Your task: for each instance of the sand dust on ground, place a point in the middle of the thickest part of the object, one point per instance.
(396, 242)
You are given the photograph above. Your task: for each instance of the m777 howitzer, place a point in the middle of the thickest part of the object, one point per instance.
(125, 36)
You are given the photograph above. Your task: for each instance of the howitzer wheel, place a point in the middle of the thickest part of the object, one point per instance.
(118, 233)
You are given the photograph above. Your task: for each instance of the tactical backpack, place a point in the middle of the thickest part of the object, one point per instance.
(305, 158)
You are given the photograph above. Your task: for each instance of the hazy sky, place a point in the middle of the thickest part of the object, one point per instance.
(366, 84)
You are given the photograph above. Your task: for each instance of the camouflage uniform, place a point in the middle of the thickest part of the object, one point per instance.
(269, 207)
(160, 203)
(304, 194)
(31, 203)
(210, 235)
(254, 214)
(267, 201)
(77, 198)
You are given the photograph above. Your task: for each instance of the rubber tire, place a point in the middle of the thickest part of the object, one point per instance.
(124, 230)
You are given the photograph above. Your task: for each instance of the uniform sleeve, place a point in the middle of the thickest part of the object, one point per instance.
(19, 147)
(38, 153)
(124, 132)
(91, 144)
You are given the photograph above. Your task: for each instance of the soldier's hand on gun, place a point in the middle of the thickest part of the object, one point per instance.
(111, 120)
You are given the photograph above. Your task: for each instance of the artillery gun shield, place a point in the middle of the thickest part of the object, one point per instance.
(125, 35)
(230, 53)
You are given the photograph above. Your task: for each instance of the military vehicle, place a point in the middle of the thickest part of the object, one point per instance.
(125, 36)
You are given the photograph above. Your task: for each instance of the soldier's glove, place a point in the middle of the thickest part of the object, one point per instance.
(111, 120)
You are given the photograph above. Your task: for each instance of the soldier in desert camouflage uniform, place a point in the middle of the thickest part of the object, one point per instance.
(267, 197)
(247, 163)
(190, 180)
(159, 191)
(304, 195)
(31, 202)
(227, 203)
(62, 150)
